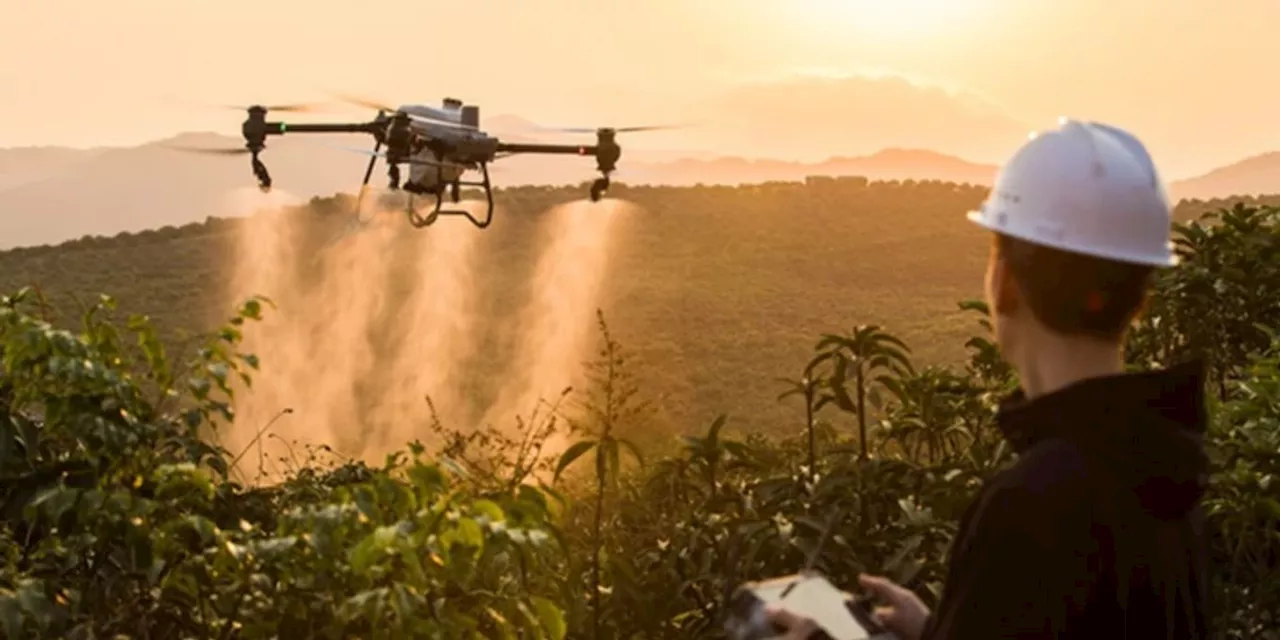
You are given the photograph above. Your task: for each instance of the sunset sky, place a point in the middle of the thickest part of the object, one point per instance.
(1194, 78)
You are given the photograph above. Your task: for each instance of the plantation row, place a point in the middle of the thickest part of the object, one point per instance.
(118, 518)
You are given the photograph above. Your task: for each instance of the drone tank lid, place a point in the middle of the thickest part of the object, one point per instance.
(452, 103)
(471, 115)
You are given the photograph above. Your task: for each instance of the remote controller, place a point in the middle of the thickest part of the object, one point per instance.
(837, 614)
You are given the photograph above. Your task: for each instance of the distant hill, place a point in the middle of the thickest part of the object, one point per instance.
(23, 165)
(134, 188)
(888, 164)
(717, 290)
(1258, 175)
(65, 194)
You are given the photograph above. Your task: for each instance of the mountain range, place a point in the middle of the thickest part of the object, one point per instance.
(52, 194)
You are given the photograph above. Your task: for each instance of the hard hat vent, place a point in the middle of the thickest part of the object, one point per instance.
(1135, 148)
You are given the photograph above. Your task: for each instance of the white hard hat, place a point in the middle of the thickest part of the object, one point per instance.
(1086, 188)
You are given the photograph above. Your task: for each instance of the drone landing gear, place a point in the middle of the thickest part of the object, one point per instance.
(455, 194)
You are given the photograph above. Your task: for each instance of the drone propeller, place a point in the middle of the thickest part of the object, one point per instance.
(658, 127)
(374, 104)
(210, 150)
(366, 102)
(287, 108)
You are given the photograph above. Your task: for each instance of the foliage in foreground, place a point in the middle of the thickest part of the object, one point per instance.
(119, 519)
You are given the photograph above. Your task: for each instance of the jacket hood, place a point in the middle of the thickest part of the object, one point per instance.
(1148, 428)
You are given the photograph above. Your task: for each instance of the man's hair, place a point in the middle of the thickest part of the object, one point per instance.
(1075, 294)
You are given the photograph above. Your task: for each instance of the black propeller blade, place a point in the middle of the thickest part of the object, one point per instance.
(657, 127)
(381, 106)
(209, 151)
(366, 102)
(287, 108)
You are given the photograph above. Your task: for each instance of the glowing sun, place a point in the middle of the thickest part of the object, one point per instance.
(889, 19)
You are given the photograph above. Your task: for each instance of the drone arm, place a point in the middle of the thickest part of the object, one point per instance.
(566, 149)
(281, 128)
(606, 155)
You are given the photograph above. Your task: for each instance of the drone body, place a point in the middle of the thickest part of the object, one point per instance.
(440, 145)
(449, 142)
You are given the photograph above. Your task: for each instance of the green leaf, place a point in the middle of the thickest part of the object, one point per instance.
(841, 397)
(840, 373)
(1271, 507)
(713, 433)
(633, 450)
(490, 509)
(470, 533)
(252, 309)
(550, 617)
(372, 547)
(571, 454)
(11, 614)
(29, 435)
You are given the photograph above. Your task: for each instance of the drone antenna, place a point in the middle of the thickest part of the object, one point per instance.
(816, 553)
(735, 553)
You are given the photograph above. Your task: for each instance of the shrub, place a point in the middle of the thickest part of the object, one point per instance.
(120, 519)
(120, 515)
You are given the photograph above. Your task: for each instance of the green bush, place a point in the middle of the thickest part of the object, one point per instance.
(121, 517)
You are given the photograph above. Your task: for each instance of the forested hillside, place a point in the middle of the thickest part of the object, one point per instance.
(719, 290)
(119, 519)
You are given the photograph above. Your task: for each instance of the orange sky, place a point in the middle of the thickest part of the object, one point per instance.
(1194, 78)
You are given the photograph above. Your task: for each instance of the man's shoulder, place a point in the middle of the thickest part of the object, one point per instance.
(1052, 469)
(1046, 493)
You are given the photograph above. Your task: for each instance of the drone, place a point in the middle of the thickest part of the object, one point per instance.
(440, 144)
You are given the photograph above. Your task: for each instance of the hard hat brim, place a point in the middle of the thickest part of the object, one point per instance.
(979, 218)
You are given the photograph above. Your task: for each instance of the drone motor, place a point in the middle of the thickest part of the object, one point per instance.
(255, 136)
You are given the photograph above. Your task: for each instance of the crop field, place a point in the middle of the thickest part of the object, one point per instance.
(717, 291)
(670, 471)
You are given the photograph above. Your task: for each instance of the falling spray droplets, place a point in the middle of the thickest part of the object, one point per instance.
(559, 319)
(363, 332)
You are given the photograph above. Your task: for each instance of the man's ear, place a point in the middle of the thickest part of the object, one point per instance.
(1004, 289)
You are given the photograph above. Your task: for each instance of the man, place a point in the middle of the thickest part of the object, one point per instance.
(1095, 532)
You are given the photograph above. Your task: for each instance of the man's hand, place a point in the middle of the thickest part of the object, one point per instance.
(903, 614)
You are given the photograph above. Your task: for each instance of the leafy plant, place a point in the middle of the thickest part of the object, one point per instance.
(600, 418)
(859, 357)
(119, 515)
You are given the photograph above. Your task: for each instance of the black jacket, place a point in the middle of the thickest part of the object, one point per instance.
(1096, 531)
